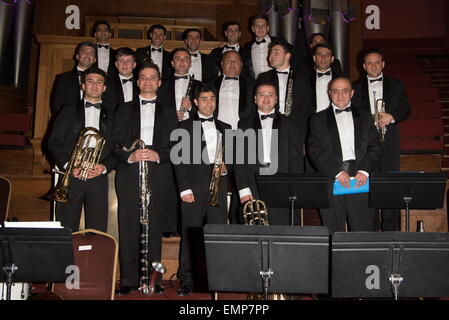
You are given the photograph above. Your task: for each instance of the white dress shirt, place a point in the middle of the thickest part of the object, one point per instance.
(92, 119)
(345, 124)
(322, 96)
(196, 67)
(127, 88)
(259, 54)
(235, 46)
(156, 57)
(103, 58)
(283, 79)
(180, 92)
(375, 90)
(147, 113)
(228, 101)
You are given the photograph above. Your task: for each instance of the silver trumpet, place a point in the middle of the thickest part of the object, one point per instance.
(379, 107)
(147, 274)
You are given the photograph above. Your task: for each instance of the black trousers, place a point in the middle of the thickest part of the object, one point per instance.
(192, 266)
(93, 193)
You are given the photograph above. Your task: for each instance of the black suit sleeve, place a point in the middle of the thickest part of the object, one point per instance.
(402, 109)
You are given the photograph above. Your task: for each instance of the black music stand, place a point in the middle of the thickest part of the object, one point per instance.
(288, 190)
(409, 190)
(390, 264)
(267, 259)
(34, 255)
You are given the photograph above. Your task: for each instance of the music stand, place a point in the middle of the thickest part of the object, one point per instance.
(34, 255)
(409, 190)
(275, 259)
(290, 190)
(390, 264)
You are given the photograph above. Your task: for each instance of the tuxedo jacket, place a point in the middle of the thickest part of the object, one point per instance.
(336, 73)
(396, 104)
(324, 142)
(196, 175)
(142, 53)
(69, 122)
(112, 70)
(209, 70)
(290, 151)
(245, 53)
(246, 96)
(302, 96)
(114, 91)
(167, 93)
(66, 90)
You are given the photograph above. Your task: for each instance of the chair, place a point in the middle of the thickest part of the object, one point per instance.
(5, 196)
(96, 256)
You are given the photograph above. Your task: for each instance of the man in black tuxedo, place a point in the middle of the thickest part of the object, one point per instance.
(69, 122)
(155, 51)
(179, 89)
(299, 105)
(122, 87)
(67, 85)
(255, 53)
(397, 108)
(193, 175)
(232, 32)
(234, 102)
(105, 53)
(149, 120)
(273, 146)
(343, 143)
(203, 66)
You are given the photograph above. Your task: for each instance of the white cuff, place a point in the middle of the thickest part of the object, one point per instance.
(245, 192)
(364, 172)
(186, 192)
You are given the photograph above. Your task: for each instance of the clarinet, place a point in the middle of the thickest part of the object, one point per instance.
(289, 98)
(188, 91)
(147, 274)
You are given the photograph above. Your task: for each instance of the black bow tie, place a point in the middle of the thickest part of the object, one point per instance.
(374, 80)
(320, 74)
(261, 41)
(126, 80)
(230, 47)
(264, 116)
(211, 119)
(89, 104)
(144, 102)
(194, 55)
(181, 77)
(106, 46)
(337, 111)
(231, 78)
(156, 49)
(282, 72)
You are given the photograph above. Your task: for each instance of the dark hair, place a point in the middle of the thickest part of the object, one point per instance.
(186, 32)
(93, 70)
(372, 50)
(288, 48)
(313, 35)
(230, 23)
(204, 87)
(100, 22)
(85, 44)
(155, 26)
(322, 45)
(124, 51)
(148, 65)
(259, 16)
(264, 83)
(174, 51)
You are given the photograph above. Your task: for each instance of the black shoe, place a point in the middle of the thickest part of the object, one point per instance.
(124, 290)
(159, 289)
(185, 290)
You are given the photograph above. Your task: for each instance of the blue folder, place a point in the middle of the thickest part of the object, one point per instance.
(338, 189)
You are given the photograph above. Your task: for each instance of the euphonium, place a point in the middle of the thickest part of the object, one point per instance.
(379, 107)
(84, 157)
(255, 213)
(216, 174)
(147, 274)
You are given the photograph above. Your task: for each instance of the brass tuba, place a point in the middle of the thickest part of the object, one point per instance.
(84, 156)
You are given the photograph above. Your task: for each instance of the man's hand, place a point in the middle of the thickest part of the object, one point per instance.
(144, 155)
(96, 171)
(186, 103)
(361, 179)
(246, 198)
(344, 178)
(189, 198)
(385, 119)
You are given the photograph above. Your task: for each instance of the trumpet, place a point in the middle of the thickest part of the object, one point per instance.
(84, 157)
(216, 174)
(379, 107)
(147, 275)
